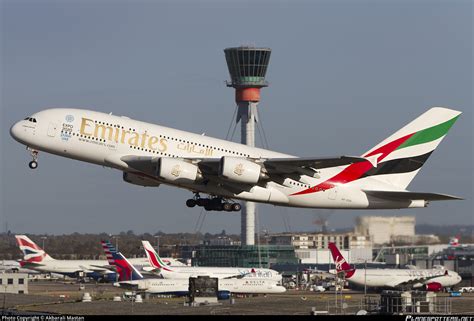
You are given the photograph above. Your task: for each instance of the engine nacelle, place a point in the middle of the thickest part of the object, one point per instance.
(223, 295)
(175, 170)
(239, 170)
(433, 287)
(140, 180)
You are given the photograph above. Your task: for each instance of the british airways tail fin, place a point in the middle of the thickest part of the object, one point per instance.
(32, 253)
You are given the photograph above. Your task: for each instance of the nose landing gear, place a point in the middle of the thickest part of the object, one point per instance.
(213, 204)
(34, 154)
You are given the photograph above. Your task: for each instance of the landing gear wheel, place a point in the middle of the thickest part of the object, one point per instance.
(236, 207)
(190, 202)
(33, 164)
(202, 202)
(227, 207)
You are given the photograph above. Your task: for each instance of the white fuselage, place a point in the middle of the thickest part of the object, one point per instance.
(244, 285)
(73, 266)
(392, 277)
(103, 139)
(185, 272)
(86, 266)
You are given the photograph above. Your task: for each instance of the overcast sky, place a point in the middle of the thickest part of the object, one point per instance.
(343, 76)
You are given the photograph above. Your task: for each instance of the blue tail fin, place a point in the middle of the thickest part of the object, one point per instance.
(126, 271)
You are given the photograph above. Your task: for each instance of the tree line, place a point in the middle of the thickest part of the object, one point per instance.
(88, 246)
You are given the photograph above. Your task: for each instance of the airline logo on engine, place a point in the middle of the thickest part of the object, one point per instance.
(239, 169)
(176, 171)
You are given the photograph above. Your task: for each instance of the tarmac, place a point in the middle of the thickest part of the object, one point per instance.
(65, 298)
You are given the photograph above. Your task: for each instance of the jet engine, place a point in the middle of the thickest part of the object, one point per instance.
(433, 287)
(239, 170)
(223, 295)
(176, 170)
(141, 180)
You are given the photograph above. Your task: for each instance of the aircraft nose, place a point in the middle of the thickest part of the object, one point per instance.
(15, 130)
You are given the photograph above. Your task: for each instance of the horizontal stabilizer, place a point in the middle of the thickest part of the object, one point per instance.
(405, 196)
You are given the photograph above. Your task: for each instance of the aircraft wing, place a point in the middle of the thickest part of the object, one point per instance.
(210, 166)
(409, 196)
(97, 268)
(321, 273)
(103, 267)
(286, 165)
(126, 285)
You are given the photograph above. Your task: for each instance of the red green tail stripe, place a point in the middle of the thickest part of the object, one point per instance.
(429, 134)
(357, 170)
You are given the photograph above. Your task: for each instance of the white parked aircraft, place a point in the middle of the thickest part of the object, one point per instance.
(431, 279)
(131, 278)
(150, 155)
(185, 272)
(35, 258)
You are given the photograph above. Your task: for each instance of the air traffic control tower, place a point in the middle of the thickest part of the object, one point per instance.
(247, 69)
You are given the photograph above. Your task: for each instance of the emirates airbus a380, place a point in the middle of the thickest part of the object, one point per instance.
(150, 155)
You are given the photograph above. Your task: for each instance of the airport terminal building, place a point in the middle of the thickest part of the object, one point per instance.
(16, 283)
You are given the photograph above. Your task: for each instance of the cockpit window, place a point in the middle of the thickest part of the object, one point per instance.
(33, 120)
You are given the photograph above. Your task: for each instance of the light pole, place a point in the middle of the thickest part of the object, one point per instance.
(116, 237)
(157, 238)
(266, 236)
(365, 278)
(44, 238)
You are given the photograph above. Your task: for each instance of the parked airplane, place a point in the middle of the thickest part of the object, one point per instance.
(35, 258)
(431, 279)
(180, 272)
(131, 278)
(150, 155)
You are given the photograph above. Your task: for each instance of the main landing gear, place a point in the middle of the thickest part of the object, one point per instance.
(34, 154)
(213, 204)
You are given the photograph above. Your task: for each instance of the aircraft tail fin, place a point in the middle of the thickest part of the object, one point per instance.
(32, 253)
(397, 159)
(126, 270)
(341, 264)
(154, 258)
(339, 260)
(109, 249)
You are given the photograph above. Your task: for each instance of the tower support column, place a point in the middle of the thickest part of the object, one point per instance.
(247, 115)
